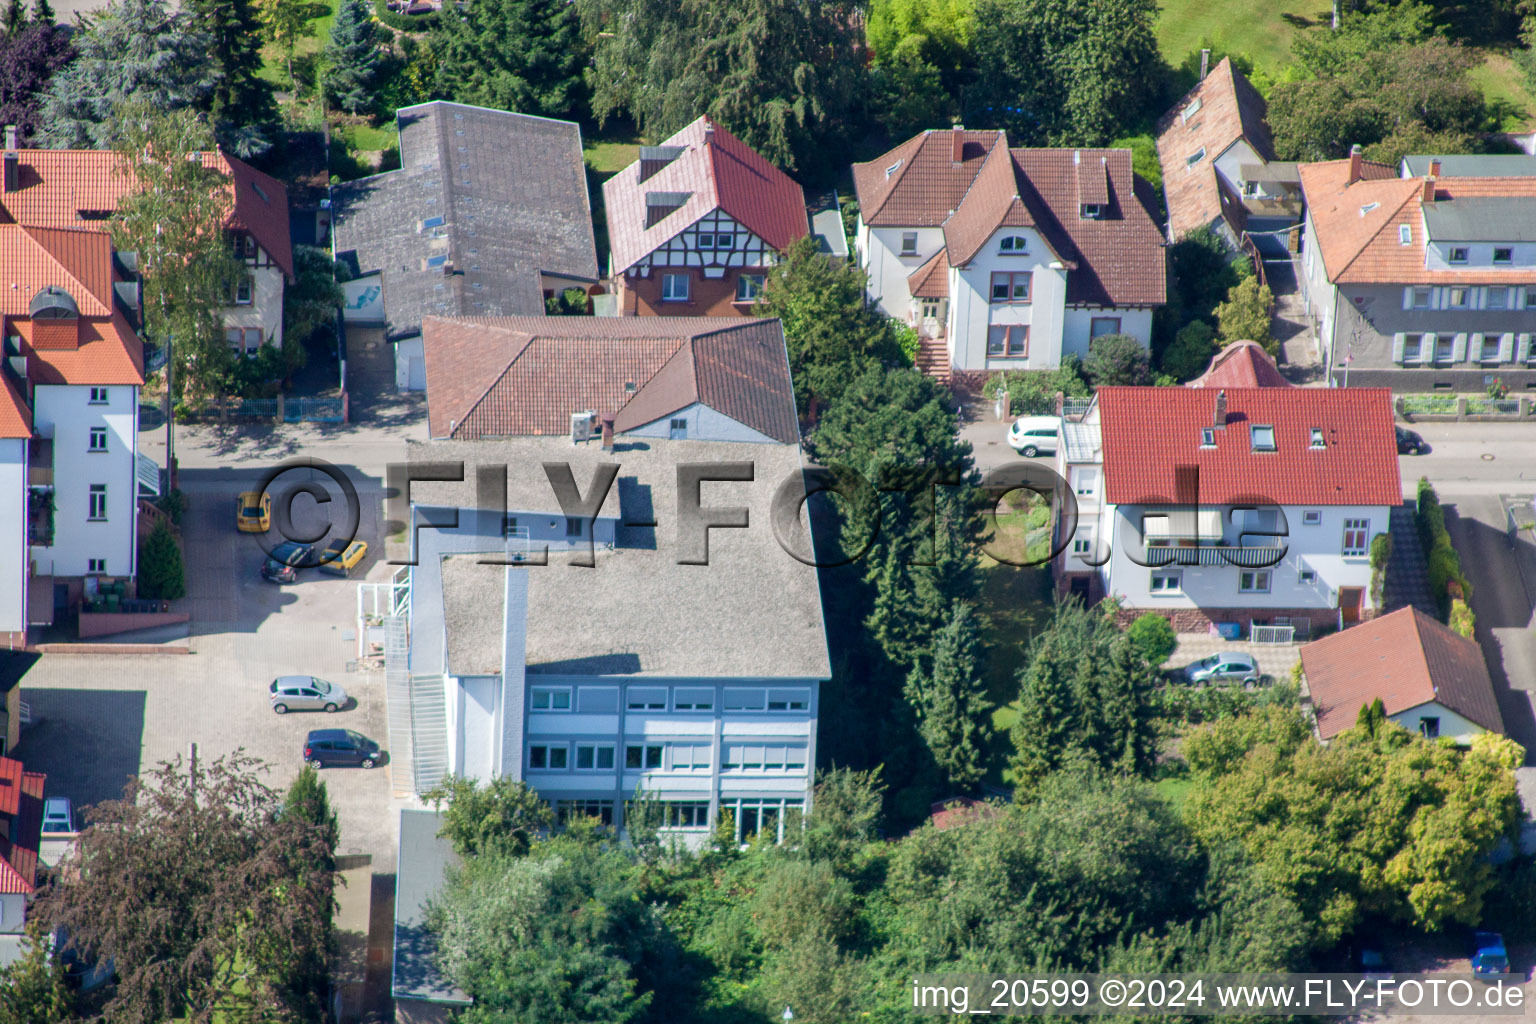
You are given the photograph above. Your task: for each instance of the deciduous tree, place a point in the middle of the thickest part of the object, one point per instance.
(1246, 314)
(28, 61)
(500, 817)
(1117, 359)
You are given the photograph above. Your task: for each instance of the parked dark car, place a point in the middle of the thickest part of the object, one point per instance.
(1408, 442)
(1489, 957)
(281, 566)
(326, 747)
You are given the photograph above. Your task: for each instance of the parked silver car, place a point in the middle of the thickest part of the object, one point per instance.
(1224, 666)
(305, 693)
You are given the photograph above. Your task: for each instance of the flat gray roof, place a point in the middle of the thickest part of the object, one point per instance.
(1474, 165)
(418, 878)
(1482, 219)
(1081, 441)
(496, 198)
(753, 612)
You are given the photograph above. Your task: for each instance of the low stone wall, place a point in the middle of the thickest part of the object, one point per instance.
(1469, 408)
(94, 624)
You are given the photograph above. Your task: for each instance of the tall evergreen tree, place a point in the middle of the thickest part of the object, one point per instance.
(15, 16)
(522, 55)
(352, 57)
(241, 105)
(136, 52)
(946, 691)
(42, 13)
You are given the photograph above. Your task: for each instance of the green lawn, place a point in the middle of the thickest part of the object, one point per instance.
(362, 137)
(274, 65)
(1503, 85)
(607, 156)
(1015, 604)
(1260, 29)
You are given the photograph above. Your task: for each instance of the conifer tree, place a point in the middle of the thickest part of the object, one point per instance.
(352, 57)
(949, 700)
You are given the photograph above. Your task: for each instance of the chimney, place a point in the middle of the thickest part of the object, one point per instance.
(607, 431)
(10, 136)
(1356, 164)
(957, 145)
(1428, 195)
(1220, 420)
(12, 182)
(1205, 63)
(1434, 168)
(709, 131)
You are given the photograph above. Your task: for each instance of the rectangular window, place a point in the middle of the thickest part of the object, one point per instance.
(1195, 157)
(1085, 481)
(749, 287)
(1530, 297)
(677, 428)
(602, 810)
(743, 758)
(685, 814)
(1421, 297)
(909, 243)
(1503, 255)
(706, 240)
(1311, 517)
(745, 700)
(96, 565)
(725, 241)
(642, 756)
(1429, 728)
(646, 698)
(693, 699)
(1307, 576)
(794, 759)
(1404, 235)
(98, 439)
(437, 261)
(1498, 298)
(592, 757)
(243, 292)
(1166, 582)
(432, 222)
(1445, 348)
(690, 756)
(236, 338)
(789, 700)
(1011, 286)
(1262, 437)
(98, 396)
(551, 698)
(1458, 254)
(572, 526)
(98, 509)
(1013, 245)
(1082, 540)
(1457, 298)
(1253, 581)
(1008, 341)
(1354, 535)
(1102, 325)
(548, 756)
(674, 287)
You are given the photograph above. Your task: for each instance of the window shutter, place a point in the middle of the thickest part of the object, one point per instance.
(1408, 297)
(1506, 347)
(1476, 355)
(1523, 353)
(1459, 348)
(1426, 348)
(1399, 342)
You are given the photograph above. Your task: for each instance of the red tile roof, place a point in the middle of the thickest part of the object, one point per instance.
(1242, 364)
(1151, 434)
(1113, 260)
(1230, 109)
(500, 376)
(57, 185)
(1405, 658)
(21, 800)
(15, 416)
(931, 280)
(718, 171)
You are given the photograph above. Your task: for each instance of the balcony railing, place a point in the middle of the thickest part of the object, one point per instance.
(1244, 556)
(40, 462)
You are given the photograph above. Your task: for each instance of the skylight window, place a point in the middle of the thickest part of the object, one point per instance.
(893, 168)
(1262, 438)
(1193, 109)
(436, 261)
(1207, 437)
(1404, 234)
(1368, 207)
(1317, 438)
(1196, 157)
(432, 222)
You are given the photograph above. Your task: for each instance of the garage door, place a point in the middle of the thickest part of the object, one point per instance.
(415, 373)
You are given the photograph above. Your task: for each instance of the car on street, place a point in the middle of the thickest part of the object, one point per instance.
(281, 566)
(340, 557)
(1224, 666)
(1409, 442)
(58, 815)
(326, 747)
(1034, 435)
(305, 693)
(253, 512)
(1489, 957)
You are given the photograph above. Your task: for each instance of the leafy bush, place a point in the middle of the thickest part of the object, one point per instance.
(161, 576)
(907, 338)
(173, 504)
(1191, 351)
(1033, 392)
(1192, 705)
(1381, 550)
(1446, 580)
(1462, 619)
(404, 22)
(1117, 359)
(1246, 314)
(1153, 636)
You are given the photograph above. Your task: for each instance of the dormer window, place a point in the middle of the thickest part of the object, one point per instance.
(1503, 256)
(1207, 437)
(1458, 254)
(659, 204)
(1317, 438)
(1013, 245)
(1404, 235)
(1262, 437)
(1195, 157)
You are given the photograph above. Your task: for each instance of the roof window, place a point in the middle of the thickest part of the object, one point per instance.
(432, 222)
(1207, 437)
(1193, 109)
(256, 187)
(1404, 235)
(893, 168)
(1368, 207)
(1262, 437)
(437, 261)
(1317, 438)
(1195, 158)
(1092, 211)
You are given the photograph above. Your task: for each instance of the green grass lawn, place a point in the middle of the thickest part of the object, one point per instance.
(274, 63)
(1014, 604)
(608, 156)
(362, 137)
(1260, 29)
(1504, 86)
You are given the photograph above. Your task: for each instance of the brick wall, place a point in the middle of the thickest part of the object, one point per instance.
(641, 296)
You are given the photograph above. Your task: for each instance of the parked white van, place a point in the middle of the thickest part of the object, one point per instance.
(1034, 435)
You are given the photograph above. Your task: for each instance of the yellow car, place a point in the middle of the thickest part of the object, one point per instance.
(253, 512)
(341, 557)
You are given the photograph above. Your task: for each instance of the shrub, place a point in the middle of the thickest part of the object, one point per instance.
(1246, 314)
(173, 504)
(1461, 619)
(1117, 359)
(1033, 392)
(1191, 351)
(1152, 635)
(404, 22)
(161, 576)
(907, 338)
(1381, 550)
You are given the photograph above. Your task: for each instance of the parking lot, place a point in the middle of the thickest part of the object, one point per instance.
(99, 719)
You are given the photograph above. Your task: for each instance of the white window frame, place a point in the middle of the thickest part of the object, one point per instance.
(688, 698)
(1428, 296)
(691, 761)
(551, 703)
(98, 503)
(1254, 581)
(669, 288)
(789, 697)
(1362, 527)
(684, 815)
(749, 287)
(595, 752)
(99, 396)
(645, 698)
(1306, 576)
(1311, 517)
(1013, 245)
(1452, 257)
(743, 692)
(98, 439)
(909, 243)
(646, 749)
(1508, 259)
(1165, 583)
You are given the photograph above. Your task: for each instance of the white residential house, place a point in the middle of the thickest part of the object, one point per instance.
(1008, 258)
(1253, 505)
(70, 472)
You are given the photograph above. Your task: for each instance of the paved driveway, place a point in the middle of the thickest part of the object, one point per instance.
(104, 718)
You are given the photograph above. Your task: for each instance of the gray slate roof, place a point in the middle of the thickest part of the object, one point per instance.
(1475, 165)
(418, 879)
(511, 190)
(753, 612)
(1482, 219)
